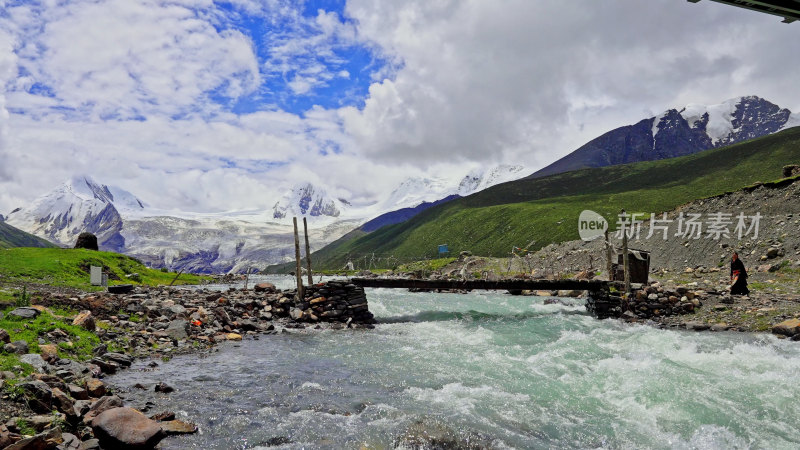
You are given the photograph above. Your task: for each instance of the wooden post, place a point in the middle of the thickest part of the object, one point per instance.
(297, 273)
(609, 266)
(308, 253)
(626, 263)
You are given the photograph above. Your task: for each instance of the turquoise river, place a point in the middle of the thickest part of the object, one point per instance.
(492, 370)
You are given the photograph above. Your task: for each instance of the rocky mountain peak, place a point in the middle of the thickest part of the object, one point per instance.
(679, 132)
(307, 200)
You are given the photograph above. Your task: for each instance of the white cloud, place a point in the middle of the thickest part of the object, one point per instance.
(466, 83)
(526, 81)
(123, 59)
(8, 63)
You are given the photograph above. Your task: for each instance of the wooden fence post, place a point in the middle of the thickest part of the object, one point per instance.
(308, 253)
(298, 269)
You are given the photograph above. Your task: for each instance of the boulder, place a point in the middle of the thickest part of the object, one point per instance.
(25, 313)
(177, 329)
(35, 360)
(87, 241)
(772, 252)
(5, 338)
(126, 428)
(789, 327)
(85, 320)
(38, 394)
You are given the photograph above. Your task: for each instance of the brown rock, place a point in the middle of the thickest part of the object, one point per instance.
(789, 327)
(264, 287)
(49, 352)
(163, 416)
(63, 402)
(126, 428)
(5, 338)
(178, 427)
(101, 406)
(85, 320)
(95, 387)
(6, 437)
(233, 337)
(47, 440)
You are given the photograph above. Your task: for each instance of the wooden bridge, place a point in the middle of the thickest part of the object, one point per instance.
(600, 301)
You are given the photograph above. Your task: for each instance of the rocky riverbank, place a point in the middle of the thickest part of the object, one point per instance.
(65, 404)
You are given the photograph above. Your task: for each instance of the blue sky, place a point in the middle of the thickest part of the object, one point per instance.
(198, 104)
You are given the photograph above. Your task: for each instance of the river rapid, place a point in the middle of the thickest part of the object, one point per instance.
(489, 369)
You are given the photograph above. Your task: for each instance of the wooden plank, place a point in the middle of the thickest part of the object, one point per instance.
(511, 284)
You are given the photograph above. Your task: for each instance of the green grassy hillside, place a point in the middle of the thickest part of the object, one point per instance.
(545, 210)
(13, 237)
(70, 267)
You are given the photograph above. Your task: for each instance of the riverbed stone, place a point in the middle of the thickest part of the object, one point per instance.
(178, 427)
(101, 406)
(164, 388)
(264, 287)
(95, 387)
(126, 428)
(47, 440)
(233, 337)
(789, 327)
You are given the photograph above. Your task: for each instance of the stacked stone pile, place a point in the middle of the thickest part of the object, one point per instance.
(655, 301)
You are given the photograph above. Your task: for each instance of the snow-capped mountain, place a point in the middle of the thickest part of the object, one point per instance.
(80, 204)
(480, 179)
(415, 190)
(232, 241)
(679, 132)
(308, 200)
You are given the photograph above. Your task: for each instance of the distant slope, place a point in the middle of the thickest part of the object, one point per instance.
(12, 237)
(674, 133)
(545, 210)
(401, 215)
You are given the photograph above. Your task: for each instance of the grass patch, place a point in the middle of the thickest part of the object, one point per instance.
(429, 265)
(70, 268)
(30, 330)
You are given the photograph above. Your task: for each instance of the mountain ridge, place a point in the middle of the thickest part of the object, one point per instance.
(692, 129)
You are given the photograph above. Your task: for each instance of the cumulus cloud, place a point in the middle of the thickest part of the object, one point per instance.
(121, 59)
(530, 81)
(183, 102)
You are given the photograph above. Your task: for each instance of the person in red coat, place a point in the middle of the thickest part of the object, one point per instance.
(738, 276)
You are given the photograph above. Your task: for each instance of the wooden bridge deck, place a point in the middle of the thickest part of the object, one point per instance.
(509, 284)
